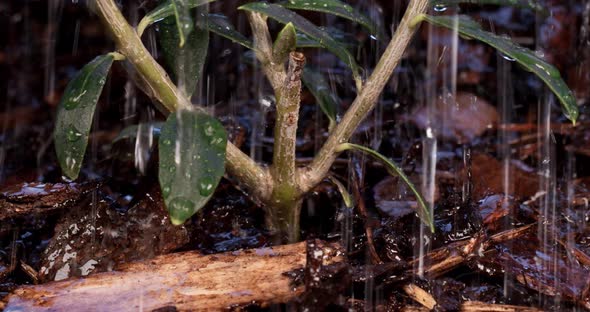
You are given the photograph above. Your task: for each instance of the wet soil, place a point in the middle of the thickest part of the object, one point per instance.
(511, 192)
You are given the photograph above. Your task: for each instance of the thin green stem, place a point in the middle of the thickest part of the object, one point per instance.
(129, 44)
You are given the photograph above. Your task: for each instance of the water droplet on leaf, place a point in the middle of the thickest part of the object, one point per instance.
(73, 134)
(206, 186)
(180, 209)
(508, 58)
(166, 191)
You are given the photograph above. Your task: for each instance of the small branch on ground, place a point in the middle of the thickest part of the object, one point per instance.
(420, 295)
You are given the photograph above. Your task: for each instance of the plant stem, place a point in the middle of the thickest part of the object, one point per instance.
(283, 219)
(285, 201)
(283, 166)
(283, 207)
(250, 174)
(366, 99)
(130, 45)
(275, 72)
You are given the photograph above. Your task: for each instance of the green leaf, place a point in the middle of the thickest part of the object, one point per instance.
(285, 43)
(130, 132)
(221, 25)
(316, 84)
(440, 5)
(335, 7)
(165, 10)
(192, 161)
(346, 197)
(423, 212)
(285, 16)
(523, 56)
(186, 62)
(76, 111)
(345, 39)
(184, 22)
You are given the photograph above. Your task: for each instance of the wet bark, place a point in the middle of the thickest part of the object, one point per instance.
(181, 282)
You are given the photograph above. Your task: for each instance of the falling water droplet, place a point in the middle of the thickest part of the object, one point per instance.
(73, 134)
(440, 7)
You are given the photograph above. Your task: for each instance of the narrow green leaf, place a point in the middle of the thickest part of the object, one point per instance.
(440, 5)
(285, 16)
(393, 169)
(523, 56)
(76, 111)
(221, 25)
(130, 132)
(165, 10)
(192, 162)
(316, 84)
(346, 197)
(335, 7)
(186, 62)
(285, 43)
(345, 39)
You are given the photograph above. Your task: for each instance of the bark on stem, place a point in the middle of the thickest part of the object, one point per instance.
(275, 72)
(250, 174)
(366, 99)
(284, 207)
(285, 133)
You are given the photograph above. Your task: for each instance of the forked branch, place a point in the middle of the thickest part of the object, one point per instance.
(366, 99)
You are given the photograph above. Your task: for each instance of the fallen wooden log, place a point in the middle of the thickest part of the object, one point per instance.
(180, 281)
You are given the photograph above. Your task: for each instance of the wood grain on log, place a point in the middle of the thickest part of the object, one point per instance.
(181, 281)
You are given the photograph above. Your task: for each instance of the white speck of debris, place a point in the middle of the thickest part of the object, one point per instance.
(89, 230)
(53, 255)
(537, 195)
(63, 273)
(74, 228)
(68, 255)
(113, 233)
(88, 267)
